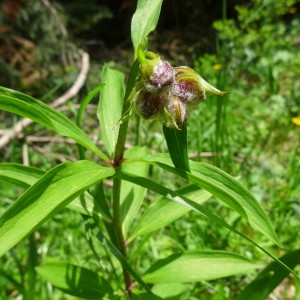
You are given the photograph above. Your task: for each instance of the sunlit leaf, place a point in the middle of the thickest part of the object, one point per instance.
(28, 107)
(144, 21)
(200, 209)
(197, 266)
(225, 188)
(110, 107)
(19, 175)
(24, 176)
(53, 191)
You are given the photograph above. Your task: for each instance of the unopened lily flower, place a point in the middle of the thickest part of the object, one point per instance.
(165, 93)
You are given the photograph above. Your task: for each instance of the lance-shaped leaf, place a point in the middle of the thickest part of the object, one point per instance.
(225, 188)
(110, 107)
(28, 107)
(197, 266)
(182, 199)
(144, 21)
(19, 175)
(177, 146)
(56, 189)
(24, 176)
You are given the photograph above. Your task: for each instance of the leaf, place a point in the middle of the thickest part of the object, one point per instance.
(110, 107)
(197, 266)
(169, 290)
(75, 280)
(56, 189)
(144, 21)
(82, 109)
(267, 280)
(179, 198)
(28, 107)
(225, 188)
(24, 176)
(163, 211)
(132, 195)
(19, 175)
(177, 146)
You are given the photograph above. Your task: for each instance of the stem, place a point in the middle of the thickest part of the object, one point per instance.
(118, 230)
(118, 158)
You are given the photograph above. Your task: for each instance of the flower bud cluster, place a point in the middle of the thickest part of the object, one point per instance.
(165, 93)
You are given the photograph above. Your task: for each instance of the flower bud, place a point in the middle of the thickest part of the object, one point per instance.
(149, 105)
(161, 77)
(191, 86)
(156, 74)
(165, 93)
(177, 112)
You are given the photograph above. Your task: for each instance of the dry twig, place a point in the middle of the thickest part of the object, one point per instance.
(78, 84)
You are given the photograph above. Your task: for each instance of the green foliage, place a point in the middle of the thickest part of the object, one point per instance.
(128, 248)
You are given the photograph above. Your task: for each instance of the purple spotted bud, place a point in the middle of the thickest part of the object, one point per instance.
(177, 111)
(165, 93)
(155, 74)
(161, 77)
(186, 86)
(149, 105)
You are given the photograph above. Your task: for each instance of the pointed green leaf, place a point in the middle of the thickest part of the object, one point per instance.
(132, 194)
(197, 266)
(19, 175)
(47, 196)
(267, 280)
(75, 280)
(144, 21)
(225, 188)
(163, 211)
(28, 107)
(200, 209)
(177, 146)
(110, 107)
(24, 176)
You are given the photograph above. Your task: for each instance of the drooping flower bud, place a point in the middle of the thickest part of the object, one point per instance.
(177, 112)
(165, 93)
(156, 74)
(191, 87)
(149, 105)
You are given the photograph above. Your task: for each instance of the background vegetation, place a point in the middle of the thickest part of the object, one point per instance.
(250, 48)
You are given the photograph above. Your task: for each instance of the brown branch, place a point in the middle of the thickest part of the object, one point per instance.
(78, 84)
